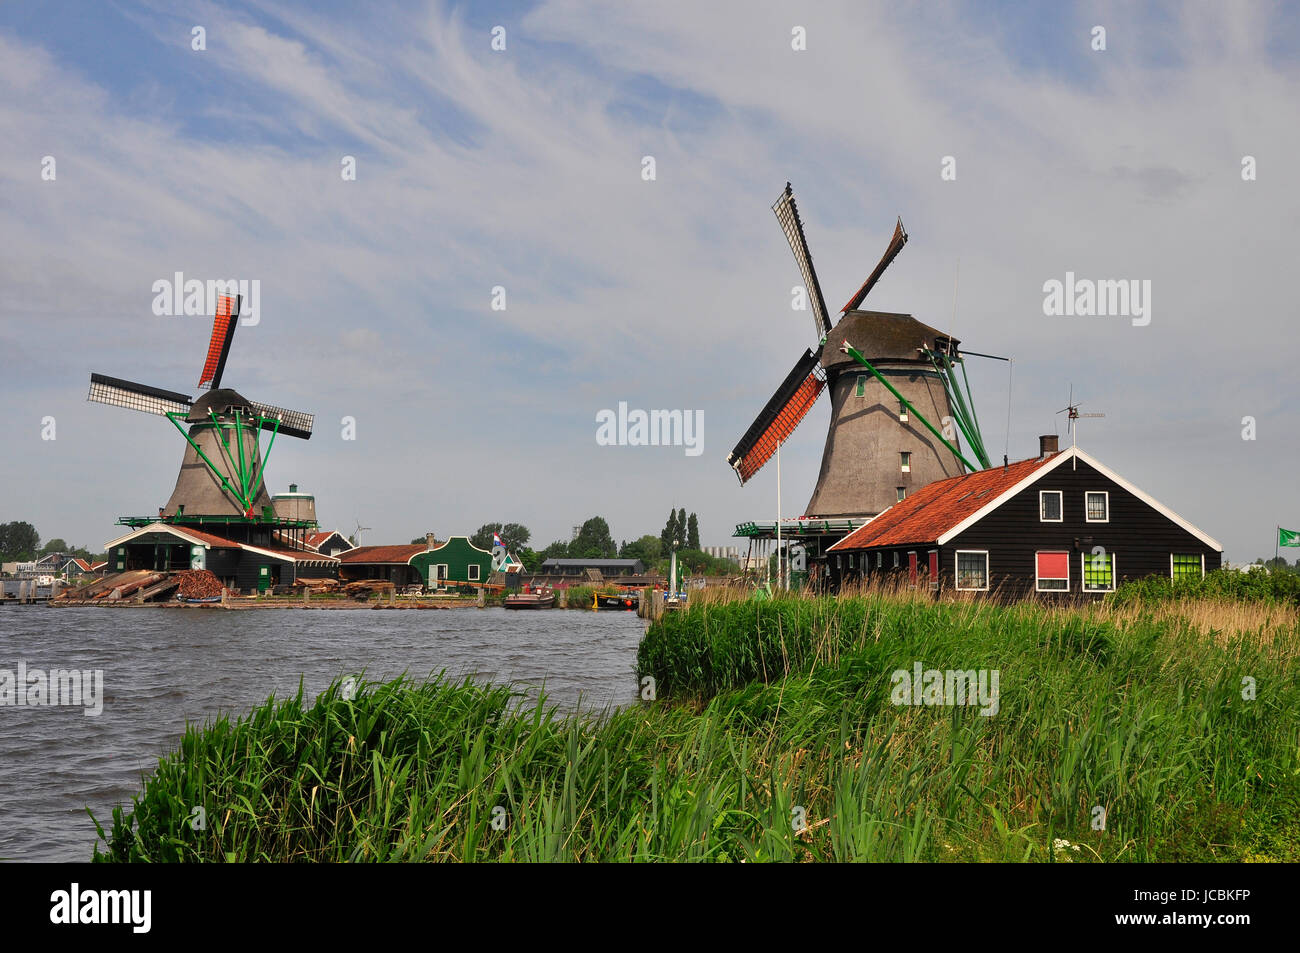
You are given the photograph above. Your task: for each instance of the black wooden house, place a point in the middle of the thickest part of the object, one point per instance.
(1061, 524)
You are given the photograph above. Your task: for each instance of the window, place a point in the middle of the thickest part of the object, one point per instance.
(902, 412)
(862, 386)
(1097, 507)
(442, 572)
(905, 461)
(1185, 566)
(850, 560)
(1053, 572)
(880, 558)
(474, 572)
(838, 565)
(972, 570)
(1098, 572)
(1049, 506)
(900, 494)
(895, 560)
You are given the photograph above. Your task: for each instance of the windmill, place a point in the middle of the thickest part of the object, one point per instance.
(900, 373)
(223, 471)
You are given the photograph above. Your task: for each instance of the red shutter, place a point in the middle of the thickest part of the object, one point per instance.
(1053, 565)
(934, 570)
(911, 568)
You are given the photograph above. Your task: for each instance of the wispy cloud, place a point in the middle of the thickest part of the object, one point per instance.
(522, 168)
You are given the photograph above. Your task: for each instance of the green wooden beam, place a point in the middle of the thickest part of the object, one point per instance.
(854, 353)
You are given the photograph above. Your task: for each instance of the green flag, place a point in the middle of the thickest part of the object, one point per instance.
(1288, 537)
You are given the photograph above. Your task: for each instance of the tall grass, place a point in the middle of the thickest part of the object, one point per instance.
(774, 738)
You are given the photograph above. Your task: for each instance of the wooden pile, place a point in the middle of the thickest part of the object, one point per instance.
(362, 589)
(317, 585)
(198, 584)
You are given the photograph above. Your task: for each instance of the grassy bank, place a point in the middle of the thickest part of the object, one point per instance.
(774, 737)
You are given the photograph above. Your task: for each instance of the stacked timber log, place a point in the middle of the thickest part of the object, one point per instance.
(317, 585)
(198, 584)
(363, 589)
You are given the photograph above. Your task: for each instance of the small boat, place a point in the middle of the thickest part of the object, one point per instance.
(531, 600)
(626, 601)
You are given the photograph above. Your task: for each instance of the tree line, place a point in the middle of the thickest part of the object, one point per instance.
(20, 543)
(593, 540)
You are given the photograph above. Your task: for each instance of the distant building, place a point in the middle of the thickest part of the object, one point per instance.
(456, 562)
(606, 568)
(331, 543)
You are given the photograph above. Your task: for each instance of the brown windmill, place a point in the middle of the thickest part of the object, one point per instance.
(896, 407)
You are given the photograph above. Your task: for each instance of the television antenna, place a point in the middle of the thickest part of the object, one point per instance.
(1072, 409)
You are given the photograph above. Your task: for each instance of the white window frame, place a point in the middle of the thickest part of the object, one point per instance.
(1038, 579)
(902, 413)
(1171, 563)
(896, 565)
(474, 571)
(1114, 572)
(440, 572)
(880, 560)
(1060, 495)
(1088, 493)
(956, 568)
(905, 461)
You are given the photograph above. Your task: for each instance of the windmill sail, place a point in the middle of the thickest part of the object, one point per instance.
(787, 213)
(223, 332)
(150, 400)
(895, 246)
(293, 423)
(779, 417)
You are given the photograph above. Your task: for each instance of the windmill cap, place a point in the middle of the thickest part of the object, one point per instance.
(221, 402)
(881, 335)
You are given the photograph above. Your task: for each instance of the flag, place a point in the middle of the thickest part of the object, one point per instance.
(1288, 537)
(496, 540)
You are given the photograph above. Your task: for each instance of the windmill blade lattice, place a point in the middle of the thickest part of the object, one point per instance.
(779, 417)
(787, 213)
(150, 400)
(223, 332)
(896, 244)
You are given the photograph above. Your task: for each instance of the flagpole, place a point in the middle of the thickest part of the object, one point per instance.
(1277, 541)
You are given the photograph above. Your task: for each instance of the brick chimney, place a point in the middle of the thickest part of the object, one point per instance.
(429, 542)
(1047, 444)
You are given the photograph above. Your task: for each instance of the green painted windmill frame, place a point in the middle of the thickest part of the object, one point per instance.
(250, 478)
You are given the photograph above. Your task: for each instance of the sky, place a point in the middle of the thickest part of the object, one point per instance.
(523, 169)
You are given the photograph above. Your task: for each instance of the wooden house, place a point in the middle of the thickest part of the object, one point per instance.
(1059, 524)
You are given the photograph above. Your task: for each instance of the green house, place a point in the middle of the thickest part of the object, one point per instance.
(457, 562)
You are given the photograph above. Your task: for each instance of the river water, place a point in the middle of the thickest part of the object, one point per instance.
(164, 667)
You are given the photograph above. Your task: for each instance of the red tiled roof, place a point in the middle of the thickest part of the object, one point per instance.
(381, 554)
(315, 539)
(938, 507)
(208, 538)
(298, 555)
